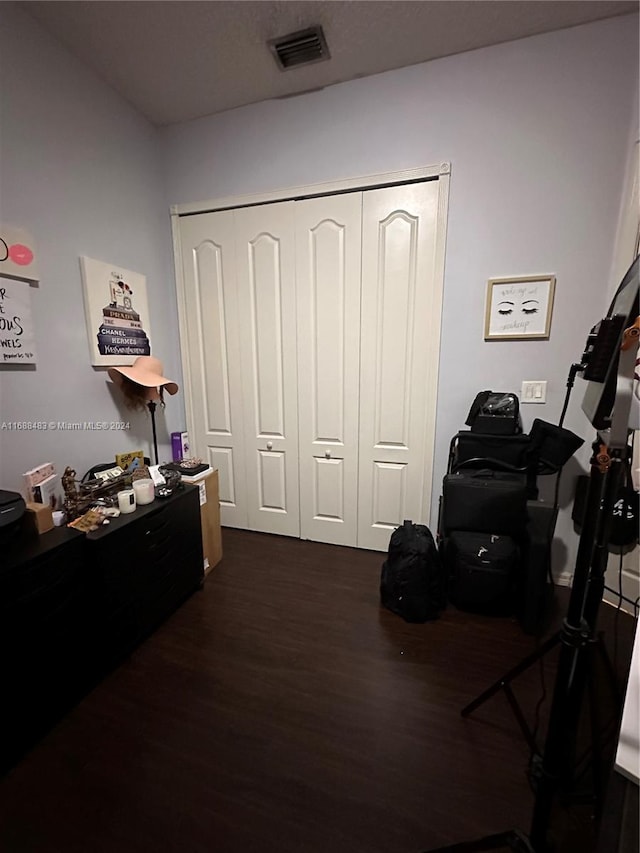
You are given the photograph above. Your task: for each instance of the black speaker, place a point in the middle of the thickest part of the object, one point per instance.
(535, 592)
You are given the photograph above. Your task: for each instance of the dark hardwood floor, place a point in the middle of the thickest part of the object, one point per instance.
(282, 709)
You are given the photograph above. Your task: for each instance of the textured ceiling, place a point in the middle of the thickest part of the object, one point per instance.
(175, 61)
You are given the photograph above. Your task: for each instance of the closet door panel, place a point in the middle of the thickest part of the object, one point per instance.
(265, 239)
(213, 373)
(388, 496)
(397, 381)
(328, 266)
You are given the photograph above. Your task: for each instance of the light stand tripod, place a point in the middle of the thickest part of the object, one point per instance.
(594, 596)
(608, 405)
(575, 638)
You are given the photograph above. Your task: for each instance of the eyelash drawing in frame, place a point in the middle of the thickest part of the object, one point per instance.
(530, 306)
(519, 307)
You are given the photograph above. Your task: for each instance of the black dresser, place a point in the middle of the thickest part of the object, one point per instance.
(73, 606)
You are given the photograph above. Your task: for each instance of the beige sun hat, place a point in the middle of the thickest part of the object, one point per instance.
(146, 371)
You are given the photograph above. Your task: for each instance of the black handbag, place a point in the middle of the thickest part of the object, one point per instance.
(496, 413)
(485, 501)
(623, 532)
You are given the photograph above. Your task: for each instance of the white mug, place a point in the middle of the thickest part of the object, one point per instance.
(127, 501)
(144, 491)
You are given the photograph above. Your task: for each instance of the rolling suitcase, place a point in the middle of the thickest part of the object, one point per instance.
(482, 569)
(484, 501)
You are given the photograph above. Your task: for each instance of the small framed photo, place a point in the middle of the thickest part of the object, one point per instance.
(519, 309)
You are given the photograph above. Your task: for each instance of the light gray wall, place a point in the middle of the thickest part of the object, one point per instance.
(80, 170)
(537, 133)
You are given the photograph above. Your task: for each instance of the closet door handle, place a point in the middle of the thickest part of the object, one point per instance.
(327, 454)
(269, 445)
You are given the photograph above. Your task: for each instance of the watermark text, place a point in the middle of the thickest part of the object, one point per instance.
(63, 426)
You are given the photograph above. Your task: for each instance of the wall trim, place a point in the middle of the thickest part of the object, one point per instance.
(629, 587)
(433, 368)
(364, 182)
(181, 299)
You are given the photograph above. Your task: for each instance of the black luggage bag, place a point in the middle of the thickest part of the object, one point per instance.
(482, 569)
(484, 501)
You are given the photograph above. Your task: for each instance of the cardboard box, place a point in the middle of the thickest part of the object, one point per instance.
(210, 519)
(39, 517)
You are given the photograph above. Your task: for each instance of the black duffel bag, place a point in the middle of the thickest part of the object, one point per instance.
(485, 501)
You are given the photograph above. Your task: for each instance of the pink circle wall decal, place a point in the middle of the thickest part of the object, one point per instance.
(20, 254)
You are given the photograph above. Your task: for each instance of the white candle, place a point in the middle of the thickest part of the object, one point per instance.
(144, 491)
(127, 501)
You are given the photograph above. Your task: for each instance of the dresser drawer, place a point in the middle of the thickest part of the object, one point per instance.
(42, 596)
(143, 568)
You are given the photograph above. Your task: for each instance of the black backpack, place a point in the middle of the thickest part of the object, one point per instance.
(413, 582)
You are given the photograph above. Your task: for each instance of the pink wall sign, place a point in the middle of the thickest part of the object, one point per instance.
(17, 254)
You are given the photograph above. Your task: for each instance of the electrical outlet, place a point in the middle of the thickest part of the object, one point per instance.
(534, 391)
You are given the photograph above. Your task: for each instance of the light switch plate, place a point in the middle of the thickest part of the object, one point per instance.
(534, 391)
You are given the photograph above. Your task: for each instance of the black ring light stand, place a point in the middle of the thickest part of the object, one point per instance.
(594, 645)
(610, 357)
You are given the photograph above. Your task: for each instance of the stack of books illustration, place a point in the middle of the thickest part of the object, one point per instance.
(121, 331)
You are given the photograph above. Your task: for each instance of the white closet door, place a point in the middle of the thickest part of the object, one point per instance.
(213, 371)
(399, 352)
(328, 251)
(265, 239)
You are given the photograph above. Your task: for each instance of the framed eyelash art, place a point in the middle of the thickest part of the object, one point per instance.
(519, 309)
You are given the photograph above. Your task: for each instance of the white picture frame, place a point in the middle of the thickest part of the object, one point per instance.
(519, 308)
(116, 312)
(17, 334)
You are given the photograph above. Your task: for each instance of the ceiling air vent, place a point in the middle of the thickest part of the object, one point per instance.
(301, 48)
